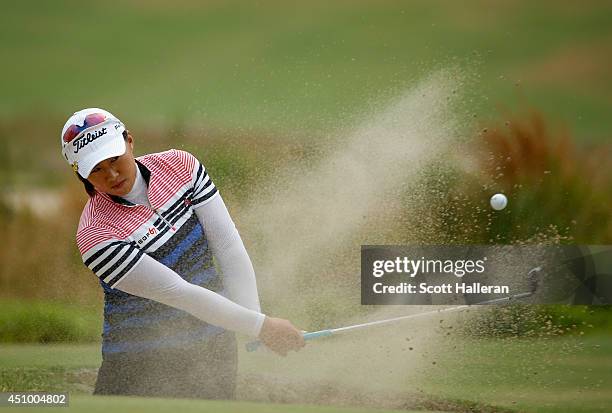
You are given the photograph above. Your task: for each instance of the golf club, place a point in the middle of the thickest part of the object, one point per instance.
(532, 277)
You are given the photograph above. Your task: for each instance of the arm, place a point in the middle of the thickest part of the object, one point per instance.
(229, 251)
(153, 280)
(227, 248)
(239, 277)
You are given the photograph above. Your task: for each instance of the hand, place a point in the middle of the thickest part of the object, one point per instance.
(280, 336)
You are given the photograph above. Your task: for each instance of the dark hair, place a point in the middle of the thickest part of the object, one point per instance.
(89, 188)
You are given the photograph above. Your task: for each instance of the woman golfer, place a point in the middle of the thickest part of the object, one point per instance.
(149, 232)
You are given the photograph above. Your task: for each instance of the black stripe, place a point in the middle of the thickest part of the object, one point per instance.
(146, 174)
(126, 269)
(110, 257)
(205, 197)
(162, 225)
(178, 205)
(117, 263)
(177, 238)
(100, 252)
(207, 184)
(200, 189)
(121, 201)
(178, 202)
(200, 170)
(199, 180)
(176, 215)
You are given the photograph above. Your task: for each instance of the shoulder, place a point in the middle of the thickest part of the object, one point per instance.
(93, 229)
(174, 164)
(188, 169)
(173, 158)
(103, 248)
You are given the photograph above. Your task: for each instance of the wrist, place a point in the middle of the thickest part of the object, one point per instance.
(259, 323)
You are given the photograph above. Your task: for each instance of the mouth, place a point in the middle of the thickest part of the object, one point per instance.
(119, 185)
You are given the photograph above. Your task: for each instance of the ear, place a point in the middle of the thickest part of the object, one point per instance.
(130, 141)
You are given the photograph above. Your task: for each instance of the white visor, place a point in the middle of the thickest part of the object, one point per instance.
(95, 144)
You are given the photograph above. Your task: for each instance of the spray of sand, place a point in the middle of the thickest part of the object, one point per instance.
(314, 210)
(306, 220)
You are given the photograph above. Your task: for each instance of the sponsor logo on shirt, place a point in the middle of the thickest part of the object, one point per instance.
(150, 232)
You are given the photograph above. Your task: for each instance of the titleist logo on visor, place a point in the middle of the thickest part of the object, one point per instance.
(87, 138)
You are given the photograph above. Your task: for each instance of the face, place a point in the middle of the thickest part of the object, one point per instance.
(116, 176)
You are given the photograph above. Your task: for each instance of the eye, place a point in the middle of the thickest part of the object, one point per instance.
(94, 170)
(114, 159)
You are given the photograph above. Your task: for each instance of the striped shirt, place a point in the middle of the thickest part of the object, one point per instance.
(113, 235)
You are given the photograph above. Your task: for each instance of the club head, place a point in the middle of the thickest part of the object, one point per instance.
(534, 279)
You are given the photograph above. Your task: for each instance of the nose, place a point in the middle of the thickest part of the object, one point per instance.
(112, 174)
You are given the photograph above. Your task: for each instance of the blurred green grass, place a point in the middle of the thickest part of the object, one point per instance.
(287, 67)
(102, 404)
(540, 375)
(527, 375)
(44, 321)
(236, 82)
(48, 322)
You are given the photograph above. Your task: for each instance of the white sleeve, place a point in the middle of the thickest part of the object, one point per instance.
(153, 280)
(229, 251)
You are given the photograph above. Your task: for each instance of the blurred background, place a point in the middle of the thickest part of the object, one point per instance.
(255, 87)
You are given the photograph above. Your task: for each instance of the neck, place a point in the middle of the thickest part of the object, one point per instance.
(138, 192)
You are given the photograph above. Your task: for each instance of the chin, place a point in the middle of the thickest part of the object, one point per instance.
(122, 191)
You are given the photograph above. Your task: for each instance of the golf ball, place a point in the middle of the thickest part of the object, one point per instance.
(498, 202)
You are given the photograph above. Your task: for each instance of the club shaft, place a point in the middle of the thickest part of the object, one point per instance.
(428, 313)
(393, 320)
(254, 345)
